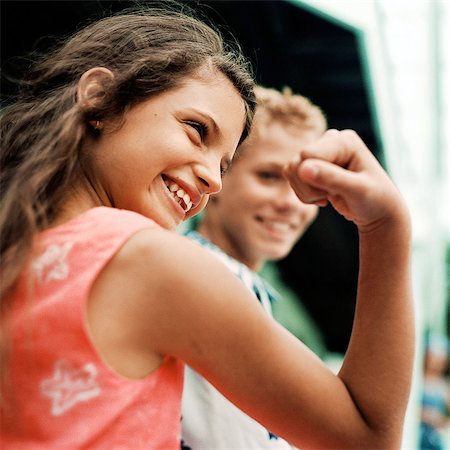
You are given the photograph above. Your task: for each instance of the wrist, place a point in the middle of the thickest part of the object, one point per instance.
(397, 220)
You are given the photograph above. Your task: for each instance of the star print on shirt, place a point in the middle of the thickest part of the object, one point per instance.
(69, 386)
(272, 436)
(52, 264)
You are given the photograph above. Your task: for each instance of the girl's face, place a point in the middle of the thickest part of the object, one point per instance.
(170, 153)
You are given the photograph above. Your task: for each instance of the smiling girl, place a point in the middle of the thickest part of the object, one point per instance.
(116, 137)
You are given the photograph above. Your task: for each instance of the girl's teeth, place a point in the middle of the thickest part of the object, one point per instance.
(181, 196)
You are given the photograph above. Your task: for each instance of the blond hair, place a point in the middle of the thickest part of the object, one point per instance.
(294, 111)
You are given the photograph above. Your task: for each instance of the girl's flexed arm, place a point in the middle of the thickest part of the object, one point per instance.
(340, 169)
(170, 296)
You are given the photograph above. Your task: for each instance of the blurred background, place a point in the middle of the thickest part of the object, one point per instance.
(380, 67)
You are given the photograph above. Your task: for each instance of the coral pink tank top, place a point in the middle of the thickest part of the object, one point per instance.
(64, 395)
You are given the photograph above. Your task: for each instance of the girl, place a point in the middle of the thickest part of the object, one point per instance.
(118, 136)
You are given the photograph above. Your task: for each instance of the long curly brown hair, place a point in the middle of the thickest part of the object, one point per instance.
(149, 50)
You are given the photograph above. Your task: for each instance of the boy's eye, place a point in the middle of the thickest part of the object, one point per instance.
(199, 127)
(224, 168)
(267, 175)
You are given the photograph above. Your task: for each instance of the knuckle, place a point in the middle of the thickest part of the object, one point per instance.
(332, 132)
(349, 133)
(351, 136)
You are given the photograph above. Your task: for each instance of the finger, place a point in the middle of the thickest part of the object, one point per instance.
(344, 148)
(329, 178)
(304, 191)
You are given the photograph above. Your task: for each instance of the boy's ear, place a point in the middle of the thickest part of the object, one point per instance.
(92, 85)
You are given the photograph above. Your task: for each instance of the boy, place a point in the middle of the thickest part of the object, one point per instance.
(256, 218)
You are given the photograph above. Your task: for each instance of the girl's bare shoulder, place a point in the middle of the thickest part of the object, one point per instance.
(165, 253)
(157, 264)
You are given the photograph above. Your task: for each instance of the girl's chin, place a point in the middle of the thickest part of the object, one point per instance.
(194, 212)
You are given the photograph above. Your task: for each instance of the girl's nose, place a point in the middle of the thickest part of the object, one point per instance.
(210, 178)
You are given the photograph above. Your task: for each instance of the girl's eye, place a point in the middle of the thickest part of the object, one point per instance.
(200, 128)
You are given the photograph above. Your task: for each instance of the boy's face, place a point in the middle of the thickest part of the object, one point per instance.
(257, 217)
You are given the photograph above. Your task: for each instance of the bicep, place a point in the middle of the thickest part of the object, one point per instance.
(205, 315)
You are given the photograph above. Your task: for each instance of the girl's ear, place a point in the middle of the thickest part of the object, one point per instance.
(92, 85)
